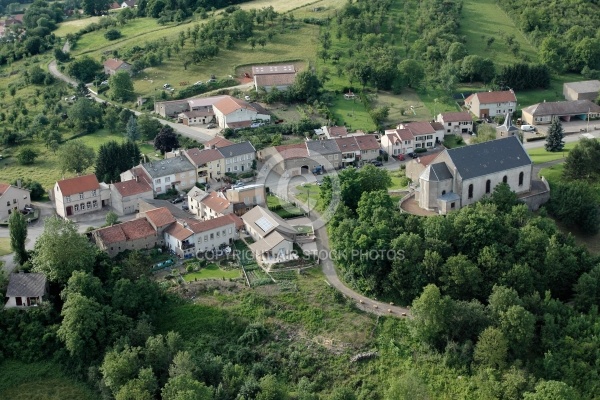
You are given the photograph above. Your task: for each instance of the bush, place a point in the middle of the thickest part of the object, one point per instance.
(190, 268)
(112, 34)
(421, 150)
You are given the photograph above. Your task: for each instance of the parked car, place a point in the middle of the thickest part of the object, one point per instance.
(177, 200)
(211, 126)
(400, 157)
(413, 155)
(528, 128)
(377, 163)
(247, 98)
(185, 208)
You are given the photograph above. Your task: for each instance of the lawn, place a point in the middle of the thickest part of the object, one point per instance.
(399, 180)
(540, 155)
(74, 26)
(283, 208)
(476, 27)
(404, 107)
(552, 173)
(304, 229)
(212, 271)
(306, 191)
(352, 113)
(39, 381)
(5, 246)
(452, 141)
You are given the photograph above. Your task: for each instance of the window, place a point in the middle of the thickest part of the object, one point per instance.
(235, 167)
(505, 179)
(206, 238)
(95, 203)
(82, 206)
(228, 169)
(89, 205)
(230, 231)
(8, 203)
(471, 191)
(14, 201)
(488, 186)
(448, 130)
(218, 234)
(212, 235)
(158, 189)
(449, 124)
(452, 205)
(168, 179)
(76, 207)
(157, 181)
(93, 192)
(521, 178)
(429, 144)
(68, 199)
(80, 196)
(429, 137)
(335, 156)
(443, 192)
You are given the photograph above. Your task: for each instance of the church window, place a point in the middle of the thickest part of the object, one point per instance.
(471, 191)
(488, 186)
(505, 179)
(521, 178)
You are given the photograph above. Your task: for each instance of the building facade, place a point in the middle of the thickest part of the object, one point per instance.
(12, 199)
(490, 104)
(80, 195)
(456, 122)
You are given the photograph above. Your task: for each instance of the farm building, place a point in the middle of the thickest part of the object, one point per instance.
(273, 76)
(582, 90)
(544, 113)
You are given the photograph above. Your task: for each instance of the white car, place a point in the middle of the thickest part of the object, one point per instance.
(528, 128)
(166, 86)
(247, 98)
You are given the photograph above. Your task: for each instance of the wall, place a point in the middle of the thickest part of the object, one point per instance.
(479, 184)
(241, 163)
(13, 197)
(226, 234)
(113, 249)
(171, 108)
(535, 201)
(76, 200)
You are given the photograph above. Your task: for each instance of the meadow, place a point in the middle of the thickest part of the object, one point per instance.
(352, 114)
(212, 271)
(540, 155)
(39, 381)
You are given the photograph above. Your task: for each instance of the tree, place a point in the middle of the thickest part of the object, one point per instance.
(457, 51)
(575, 203)
(552, 390)
(411, 72)
(132, 132)
(307, 86)
(111, 119)
(95, 7)
(141, 388)
(60, 250)
(84, 69)
(491, 349)
(121, 86)
(470, 67)
(112, 34)
(485, 133)
(581, 161)
(17, 226)
(27, 156)
(587, 290)
(118, 367)
(518, 326)
(35, 188)
(85, 115)
(85, 284)
(554, 140)
(166, 140)
(148, 127)
(504, 198)
(136, 265)
(379, 115)
(75, 156)
(431, 312)
(185, 387)
(408, 386)
(111, 218)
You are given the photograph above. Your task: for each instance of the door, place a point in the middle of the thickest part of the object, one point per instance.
(19, 301)
(69, 210)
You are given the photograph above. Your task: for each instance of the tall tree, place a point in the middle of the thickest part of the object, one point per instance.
(307, 86)
(85, 115)
(148, 126)
(75, 156)
(581, 162)
(166, 140)
(554, 140)
(492, 349)
(121, 87)
(17, 226)
(60, 250)
(131, 131)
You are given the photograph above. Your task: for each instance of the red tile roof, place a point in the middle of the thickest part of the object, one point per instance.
(141, 173)
(405, 134)
(132, 187)
(179, 232)
(367, 142)
(201, 157)
(160, 217)
(114, 64)
(437, 126)
(239, 223)
(493, 97)
(218, 142)
(456, 116)
(426, 160)
(337, 130)
(346, 144)
(228, 105)
(131, 230)
(3, 188)
(210, 224)
(79, 184)
(292, 150)
(215, 202)
(420, 128)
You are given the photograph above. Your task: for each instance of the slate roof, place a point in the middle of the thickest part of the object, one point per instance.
(237, 149)
(79, 184)
(273, 69)
(592, 86)
(322, 147)
(170, 166)
(563, 108)
(201, 157)
(489, 157)
(132, 187)
(436, 172)
(493, 97)
(26, 285)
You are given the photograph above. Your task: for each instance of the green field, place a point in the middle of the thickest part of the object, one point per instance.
(540, 155)
(352, 114)
(399, 180)
(74, 26)
(39, 381)
(212, 271)
(5, 246)
(306, 191)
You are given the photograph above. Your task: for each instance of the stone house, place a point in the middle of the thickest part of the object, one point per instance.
(490, 104)
(80, 195)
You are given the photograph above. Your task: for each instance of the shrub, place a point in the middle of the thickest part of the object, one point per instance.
(112, 34)
(421, 150)
(190, 268)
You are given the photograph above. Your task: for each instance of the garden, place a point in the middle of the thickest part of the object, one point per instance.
(283, 208)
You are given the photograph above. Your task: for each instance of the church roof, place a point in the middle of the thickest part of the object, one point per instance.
(437, 172)
(489, 157)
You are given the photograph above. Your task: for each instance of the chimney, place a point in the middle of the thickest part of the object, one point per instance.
(19, 183)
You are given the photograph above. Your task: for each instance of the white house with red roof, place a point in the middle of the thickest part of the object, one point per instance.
(490, 104)
(80, 195)
(234, 113)
(114, 65)
(12, 198)
(456, 122)
(397, 141)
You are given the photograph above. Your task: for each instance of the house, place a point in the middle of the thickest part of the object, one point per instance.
(217, 142)
(462, 176)
(80, 195)
(235, 113)
(172, 108)
(125, 195)
(208, 163)
(246, 197)
(238, 157)
(274, 237)
(159, 218)
(456, 122)
(192, 118)
(368, 146)
(397, 141)
(357, 149)
(490, 104)
(324, 154)
(113, 65)
(273, 76)
(208, 205)
(114, 6)
(189, 237)
(425, 135)
(128, 4)
(172, 173)
(12, 198)
(582, 90)
(415, 167)
(507, 128)
(544, 113)
(137, 234)
(332, 132)
(25, 290)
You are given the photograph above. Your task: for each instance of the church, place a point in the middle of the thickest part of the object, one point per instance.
(464, 175)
